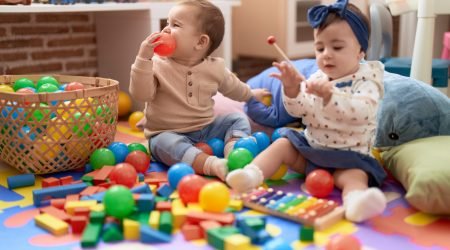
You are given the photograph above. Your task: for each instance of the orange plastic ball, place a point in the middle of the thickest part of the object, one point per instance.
(134, 118)
(343, 242)
(124, 103)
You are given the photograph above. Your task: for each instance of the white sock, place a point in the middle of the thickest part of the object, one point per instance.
(361, 205)
(215, 166)
(228, 148)
(245, 179)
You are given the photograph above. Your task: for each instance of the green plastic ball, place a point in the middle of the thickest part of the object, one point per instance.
(102, 157)
(118, 201)
(238, 158)
(82, 119)
(137, 146)
(104, 111)
(47, 79)
(23, 83)
(47, 88)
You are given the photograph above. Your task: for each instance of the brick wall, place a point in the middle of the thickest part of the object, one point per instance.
(48, 43)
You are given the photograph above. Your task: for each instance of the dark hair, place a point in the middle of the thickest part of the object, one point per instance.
(334, 17)
(211, 20)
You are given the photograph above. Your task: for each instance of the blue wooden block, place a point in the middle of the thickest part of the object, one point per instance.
(141, 177)
(23, 180)
(141, 189)
(56, 192)
(150, 235)
(165, 191)
(145, 202)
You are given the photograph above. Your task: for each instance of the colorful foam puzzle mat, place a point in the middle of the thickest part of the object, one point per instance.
(399, 227)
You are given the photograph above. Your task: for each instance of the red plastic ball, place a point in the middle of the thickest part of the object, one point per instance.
(139, 160)
(167, 47)
(205, 148)
(343, 242)
(319, 183)
(124, 174)
(74, 86)
(189, 188)
(271, 40)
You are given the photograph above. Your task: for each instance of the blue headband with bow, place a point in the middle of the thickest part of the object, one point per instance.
(318, 14)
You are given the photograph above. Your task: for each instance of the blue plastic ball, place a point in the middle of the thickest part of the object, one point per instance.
(217, 146)
(276, 134)
(262, 139)
(248, 143)
(120, 151)
(177, 172)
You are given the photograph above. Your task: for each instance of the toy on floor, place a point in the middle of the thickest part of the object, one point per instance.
(134, 118)
(124, 103)
(307, 210)
(319, 183)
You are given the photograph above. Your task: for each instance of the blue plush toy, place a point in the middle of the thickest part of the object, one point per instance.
(410, 109)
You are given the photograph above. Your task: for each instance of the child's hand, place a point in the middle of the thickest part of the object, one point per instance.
(148, 45)
(322, 88)
(289, 77)
(260, 94)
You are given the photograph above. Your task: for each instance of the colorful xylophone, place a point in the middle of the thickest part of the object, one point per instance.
(307, 210)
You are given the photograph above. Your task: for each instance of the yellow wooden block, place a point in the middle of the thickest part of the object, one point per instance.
(177, 203)
(237, 242)
(131, 229)
(153, 220)
(194, 207)
(236, 204)
(98, 208)
(179, 216)
(71, 205)
(174, 195)
(421, 219)
(153, 188)
(51, 224)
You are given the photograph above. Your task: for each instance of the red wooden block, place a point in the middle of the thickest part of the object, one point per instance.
(50, 182)
(164, 206)
(191, 231)
(66, 180)
(90, 190)
(58, 213)
(102, 175)
(222, 218)
(76, 182)
(78, 223)
(155, 178)
(72, 197)
(58, 203)
(82, 211)
(106, 184)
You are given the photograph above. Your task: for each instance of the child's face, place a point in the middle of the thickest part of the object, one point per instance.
(184, 27)
(337, 50)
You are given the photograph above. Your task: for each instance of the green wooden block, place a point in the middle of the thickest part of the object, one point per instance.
(91, 235)
(97, 217)
(306, 233)
(160, 198)
(87, 178)
(143, 218)
(165, 222)
(216, 236)
(112, 233)
(255, 223)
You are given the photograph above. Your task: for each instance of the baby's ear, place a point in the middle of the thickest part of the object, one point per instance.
(361, 55)
(203, 42)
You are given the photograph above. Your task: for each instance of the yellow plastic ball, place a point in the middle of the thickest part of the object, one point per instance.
(280, 173)
(214, 197)
(6, 88)
(58, 130)
(124, 103)
(85, 105)
(46, 148)
(267, 100)
(134, 118)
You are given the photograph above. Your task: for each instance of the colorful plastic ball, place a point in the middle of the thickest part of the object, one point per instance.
(102, 157)
(39, 114)
(58, 129)
(344, 242)
(62, 87)
(120, 151)
(214, 197)
(23, 83)
(279, 173)
(83, 120)
(319, 183)
(262, 139)
(176, 172)
(276, 134)
(124, 174)
(204, 147)
(47, 79)
(6, 88)
(139, 160)
(105, 112)
(189, 188)
(137, 146)
(217, 146)
(47, 88)
(238, 158)
(267, 100)
(25, 133)
(124, 103)
(11, 113)
(134, 118)
(167, 47)
(74, 86)
(118, 201)
(248, 143)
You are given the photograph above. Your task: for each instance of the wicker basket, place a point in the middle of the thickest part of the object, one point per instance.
(52, 132)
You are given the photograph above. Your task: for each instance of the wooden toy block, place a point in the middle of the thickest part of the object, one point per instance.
(58, 203)
(145, 202)
(111, 233)
(50, 182)
(66, 180)
(78, 224)
(152, 236)
(237, 242)
(250, 226)
(91, 235)
(174, 195)
(262, 236)
(71, 205)
(141, 177)
(163, 206)
(89, 190)
(51, 224)
(153, 220)
(23, 180)
(155, 178)
(106, 185)
(82, 211)
(99, 207)
(191, 231)
(216, 236)
(102, 174)
(165, 222)
(97, 217)
(236, 205)
(58, 213)
(91, 174)
(222, 218)
(141, 189)
(164, 190)
(56, 192)
(72, 197)
(153, 188)
(194, 207)
(179, 213)
(206, 225)
(76, 182)
(101, 189)
(306, 234)
(131, 229)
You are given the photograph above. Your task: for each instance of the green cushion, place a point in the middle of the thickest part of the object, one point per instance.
(423, 167)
